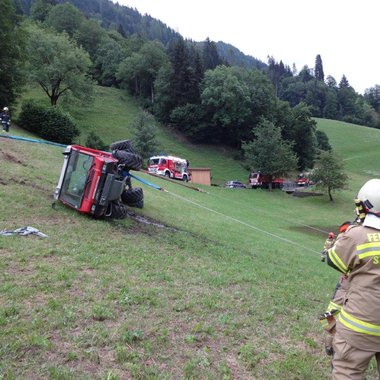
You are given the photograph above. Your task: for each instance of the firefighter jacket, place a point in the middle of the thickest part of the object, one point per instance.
(356, 253)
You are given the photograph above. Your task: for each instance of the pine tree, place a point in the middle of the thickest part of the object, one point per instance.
(318, 70)
(211, 57)
(344, 82)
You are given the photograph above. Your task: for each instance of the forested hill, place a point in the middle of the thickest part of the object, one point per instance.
(129, 21)
(235, 57)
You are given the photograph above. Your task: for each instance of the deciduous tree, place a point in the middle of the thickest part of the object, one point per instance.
(58, 65)
(268, 152)
(329, 173)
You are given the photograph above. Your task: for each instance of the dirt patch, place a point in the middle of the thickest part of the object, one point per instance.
(27, 183)
(11, 158)
(303, 194)
(148, 221)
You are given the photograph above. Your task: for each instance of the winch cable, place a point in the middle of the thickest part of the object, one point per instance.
(265, 213)
(145, 182)
(195, 188)
(243, 223)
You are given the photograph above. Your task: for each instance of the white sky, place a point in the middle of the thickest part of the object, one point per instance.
(344, 32)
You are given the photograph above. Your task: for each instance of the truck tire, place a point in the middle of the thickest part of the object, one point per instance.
(133, 197)
(122, 145)
(116, 210)
(131, 161)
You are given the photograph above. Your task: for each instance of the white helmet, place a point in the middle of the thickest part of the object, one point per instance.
(369, 194)
(5, 109)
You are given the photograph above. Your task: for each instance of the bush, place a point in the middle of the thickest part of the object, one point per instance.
(47, 123)
(95, 142)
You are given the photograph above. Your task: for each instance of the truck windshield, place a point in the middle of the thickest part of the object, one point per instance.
(154, 161)
(75, 179)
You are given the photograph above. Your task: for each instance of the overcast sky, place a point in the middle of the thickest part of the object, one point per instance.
(344, 32)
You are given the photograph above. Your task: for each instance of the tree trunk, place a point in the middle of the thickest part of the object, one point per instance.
(53, 100)
(330, 196)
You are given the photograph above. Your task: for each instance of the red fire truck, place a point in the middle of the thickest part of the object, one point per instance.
(257, 179)
(169, 166)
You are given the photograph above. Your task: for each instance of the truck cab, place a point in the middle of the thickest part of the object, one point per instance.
(89, 180)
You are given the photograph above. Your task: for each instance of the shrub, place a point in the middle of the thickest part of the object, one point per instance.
(48, 123)
(95, 142)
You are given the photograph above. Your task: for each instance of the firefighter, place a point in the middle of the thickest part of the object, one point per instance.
(5, 119)
(356, 254)
(328, 319)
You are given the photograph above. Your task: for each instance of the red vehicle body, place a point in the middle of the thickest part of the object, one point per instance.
(257, 179)
(303, 180)
(169, 166)
(91, 182)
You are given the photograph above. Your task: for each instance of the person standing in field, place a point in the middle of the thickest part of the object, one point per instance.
(356, 254)
(5, 119)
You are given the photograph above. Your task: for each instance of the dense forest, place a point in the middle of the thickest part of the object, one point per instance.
(209, 91)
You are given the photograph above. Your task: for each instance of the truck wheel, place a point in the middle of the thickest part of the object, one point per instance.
(117, 210)
(167, 174)
(133, 197)
(122, 145)
(131, 161)
(185, 179)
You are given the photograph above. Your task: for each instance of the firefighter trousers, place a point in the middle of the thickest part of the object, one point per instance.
(350, 363)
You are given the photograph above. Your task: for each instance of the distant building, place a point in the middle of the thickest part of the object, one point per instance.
(201, 176)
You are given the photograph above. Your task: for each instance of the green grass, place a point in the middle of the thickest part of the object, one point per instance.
(229, 286)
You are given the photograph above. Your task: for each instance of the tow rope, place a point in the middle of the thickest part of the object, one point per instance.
(145, 182)
(31, 140)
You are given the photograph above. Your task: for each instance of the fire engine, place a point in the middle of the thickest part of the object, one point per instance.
(169, 166)
(303, 180)
(257, 179)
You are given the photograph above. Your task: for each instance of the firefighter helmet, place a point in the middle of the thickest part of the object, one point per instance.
(369, 195)
(5, 109)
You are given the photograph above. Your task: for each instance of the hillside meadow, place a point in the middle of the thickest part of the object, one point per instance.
(211, 284)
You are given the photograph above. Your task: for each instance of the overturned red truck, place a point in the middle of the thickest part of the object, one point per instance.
(98, 183)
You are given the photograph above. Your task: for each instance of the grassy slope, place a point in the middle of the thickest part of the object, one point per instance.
(231, 288)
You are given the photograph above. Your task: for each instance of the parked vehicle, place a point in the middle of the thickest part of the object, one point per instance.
(235, 185)
(303, 180)
(257, 179)
(169, 166)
